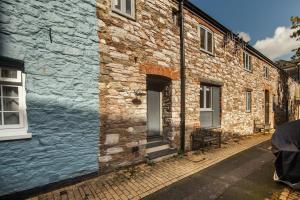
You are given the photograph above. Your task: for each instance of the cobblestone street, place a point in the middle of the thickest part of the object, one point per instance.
(143, 180)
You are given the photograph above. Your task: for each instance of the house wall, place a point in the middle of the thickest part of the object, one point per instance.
(131, 49)
(62, 91)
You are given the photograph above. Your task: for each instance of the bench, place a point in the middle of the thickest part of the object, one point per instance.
(261, 127)
(204, 138)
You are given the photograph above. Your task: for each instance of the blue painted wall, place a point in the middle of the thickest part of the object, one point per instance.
(62, 91)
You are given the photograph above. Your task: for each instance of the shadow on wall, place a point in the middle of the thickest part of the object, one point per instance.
(64, 145)
(281, 114)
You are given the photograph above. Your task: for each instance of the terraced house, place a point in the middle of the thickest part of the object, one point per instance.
(66, 113)
(230, 86)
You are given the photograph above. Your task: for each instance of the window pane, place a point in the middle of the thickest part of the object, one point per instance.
(128, 7)
(11, 104)
(10, 91)
(246, 62)
(202, 38)
(201, 97)
(117, 4)
(9, 73)
(208, 97)
(248, 101)
(250, 63)
(209, 42)
(11, 118)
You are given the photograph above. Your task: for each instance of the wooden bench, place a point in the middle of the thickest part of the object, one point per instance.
(204, 138)
(261, 127)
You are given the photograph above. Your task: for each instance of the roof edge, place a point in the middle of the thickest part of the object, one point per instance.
(224, 29)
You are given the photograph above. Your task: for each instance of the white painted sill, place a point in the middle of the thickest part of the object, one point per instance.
(15, 136)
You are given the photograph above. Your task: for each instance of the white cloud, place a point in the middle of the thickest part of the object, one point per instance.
(279, 45)
(245, 36)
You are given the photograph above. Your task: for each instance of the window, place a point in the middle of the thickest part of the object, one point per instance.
(248, 101)
(13, 120)
(210, 106)
(175, 17)
(206, 39)
(247, 61)
(266, 72)
(124, 7)
(205, 97)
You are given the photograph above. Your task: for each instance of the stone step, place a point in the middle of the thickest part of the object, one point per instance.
(161, 155)
(156, 146)
(155, 138)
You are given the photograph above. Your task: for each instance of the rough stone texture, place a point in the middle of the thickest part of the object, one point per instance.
(133, 49)
(62, 91)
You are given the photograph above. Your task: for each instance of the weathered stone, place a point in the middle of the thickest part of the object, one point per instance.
(112, 139)
(114, 150)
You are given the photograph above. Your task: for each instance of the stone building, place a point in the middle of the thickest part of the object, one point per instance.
(49, 124)
(229, 84)
(53, 91)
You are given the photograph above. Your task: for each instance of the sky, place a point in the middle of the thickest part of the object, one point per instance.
(266, 23)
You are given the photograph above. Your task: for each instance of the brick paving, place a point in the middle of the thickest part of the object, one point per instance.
(142, 180)
(285, 194)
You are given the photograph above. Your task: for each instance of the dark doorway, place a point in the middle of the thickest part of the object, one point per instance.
(267, 107)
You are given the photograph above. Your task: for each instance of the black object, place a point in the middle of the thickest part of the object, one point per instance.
(10, 63)
(286, 148)
(182, 77)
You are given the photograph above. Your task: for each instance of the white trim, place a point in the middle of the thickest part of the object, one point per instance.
(248, 101)
(12, 132)
(205, 49)
(247, 61)
(204, 98)
(14, 80)
(122, 10)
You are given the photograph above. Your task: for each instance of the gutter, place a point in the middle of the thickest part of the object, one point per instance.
(182, 76)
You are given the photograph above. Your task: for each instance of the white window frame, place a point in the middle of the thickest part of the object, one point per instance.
(122, 11)
(13, 132)
(205, 39)
(247, 60)
(205, 108)
(14, 80)
(266, 72)
(248, 101)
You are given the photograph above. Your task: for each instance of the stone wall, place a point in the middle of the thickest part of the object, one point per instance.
(62, 91)
(152, 40)
(129, 51)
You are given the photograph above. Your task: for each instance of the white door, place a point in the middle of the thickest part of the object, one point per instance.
(153, 113)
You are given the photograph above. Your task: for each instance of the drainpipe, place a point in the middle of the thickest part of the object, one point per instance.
(182, 77)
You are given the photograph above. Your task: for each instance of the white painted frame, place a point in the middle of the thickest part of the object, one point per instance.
(247, 60)
(122, 11)
(12, 132)
(204, 98)
(248, 101)
(14, 80)
(205, 39)
(266, 72)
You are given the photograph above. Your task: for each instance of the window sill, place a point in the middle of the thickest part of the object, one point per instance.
(209, 53)
(210, 127)
(206, 110)
(247, 70)
(130, 17)
(15, 136)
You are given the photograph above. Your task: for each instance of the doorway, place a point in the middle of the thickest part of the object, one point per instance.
(157, 106)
